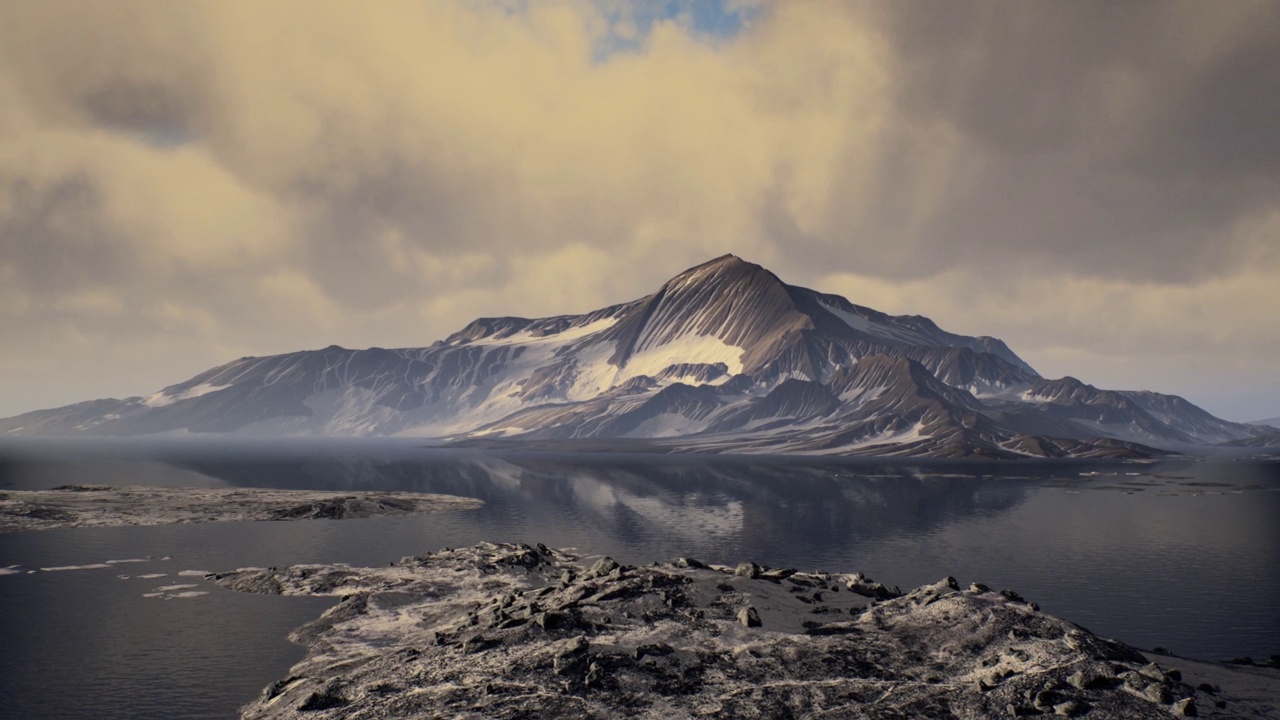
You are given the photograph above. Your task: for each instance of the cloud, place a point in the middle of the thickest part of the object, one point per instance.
(246, 178)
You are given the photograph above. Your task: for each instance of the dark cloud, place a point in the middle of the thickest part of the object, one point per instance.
(1036, 76)
(1224, 125)
(53, 231)
(148, 108)
(1016, 76)
(1117, 139)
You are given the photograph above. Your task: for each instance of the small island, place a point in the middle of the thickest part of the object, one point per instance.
(103, 506)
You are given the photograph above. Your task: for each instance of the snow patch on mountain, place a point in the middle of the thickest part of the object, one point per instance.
(690, 349)
(167, 397)
(855, 396)
(886, 438)
(563, 337)
(1018, 391)
(1130, 432)
(800, 443)
(667, 425)
(870, 327)
(350, 411)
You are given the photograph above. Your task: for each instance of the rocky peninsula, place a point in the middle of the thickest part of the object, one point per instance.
(103, 506)
(519, 631)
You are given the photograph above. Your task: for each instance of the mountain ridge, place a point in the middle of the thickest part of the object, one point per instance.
(723, 357)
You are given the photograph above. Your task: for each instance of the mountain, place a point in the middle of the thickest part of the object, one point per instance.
(1269, 422)
(724, 357)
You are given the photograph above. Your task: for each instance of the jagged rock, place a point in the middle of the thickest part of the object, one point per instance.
(1070, 708)
(780, 574)
(654, 650)
(1045, 699)
(1152, 671)
(572, 646)
(327, 699)
(553, 620)
(867, 588)
(675, 640)
(1144, 687)
(602, 567)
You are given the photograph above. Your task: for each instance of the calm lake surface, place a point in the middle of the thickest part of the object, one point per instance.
(1183, 554)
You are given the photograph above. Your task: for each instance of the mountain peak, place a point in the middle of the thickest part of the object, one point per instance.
(725, 259)
(726, 268)
(726, 278)
(727, 300)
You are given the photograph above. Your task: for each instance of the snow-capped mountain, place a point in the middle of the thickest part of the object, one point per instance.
(724, 357)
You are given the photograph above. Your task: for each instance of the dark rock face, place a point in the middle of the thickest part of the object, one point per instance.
(1073, 399)
(516, 631)
(724, 357)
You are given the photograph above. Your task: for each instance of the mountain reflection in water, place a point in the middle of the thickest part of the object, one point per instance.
(771, 510)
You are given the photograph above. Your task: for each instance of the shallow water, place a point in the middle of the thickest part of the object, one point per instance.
(1180, 554)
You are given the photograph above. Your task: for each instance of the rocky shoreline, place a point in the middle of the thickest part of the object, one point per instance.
(517, 631)
(103, 506)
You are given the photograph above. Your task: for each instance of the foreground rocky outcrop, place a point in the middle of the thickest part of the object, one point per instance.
(513, 631)
(103, 506)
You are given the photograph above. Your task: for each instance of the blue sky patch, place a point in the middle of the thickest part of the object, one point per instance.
(711, 20)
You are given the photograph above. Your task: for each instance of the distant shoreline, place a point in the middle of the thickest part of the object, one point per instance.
(75, 506)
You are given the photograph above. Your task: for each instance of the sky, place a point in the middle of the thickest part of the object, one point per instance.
(186, 183)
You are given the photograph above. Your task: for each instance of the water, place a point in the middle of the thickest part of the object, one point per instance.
(1179, 554)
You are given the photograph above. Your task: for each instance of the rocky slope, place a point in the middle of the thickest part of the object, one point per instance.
(513, 631)
(723, 357)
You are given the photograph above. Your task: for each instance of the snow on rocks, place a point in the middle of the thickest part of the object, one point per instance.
(511, 631)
